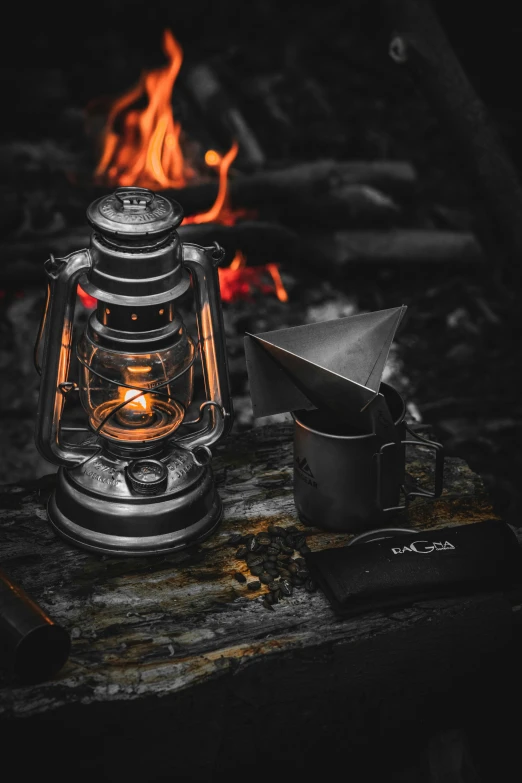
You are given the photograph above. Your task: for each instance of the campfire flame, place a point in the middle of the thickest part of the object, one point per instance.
(147, 150)
(221, 211)
(143, 147)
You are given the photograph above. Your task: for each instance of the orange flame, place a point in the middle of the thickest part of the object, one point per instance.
(147, 150)
(212, 158)
(220, 212)
(137, 401)
(280, 290)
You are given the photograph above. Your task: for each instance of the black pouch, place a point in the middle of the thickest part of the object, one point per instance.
(406, 568)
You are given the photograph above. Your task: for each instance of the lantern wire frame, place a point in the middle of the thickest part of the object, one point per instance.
(139, 390)
(41, 327)
(217, 255)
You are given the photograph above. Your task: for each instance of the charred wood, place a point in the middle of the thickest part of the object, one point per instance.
(301, 182)
(356, 206)
(222, 115)
(327, 192)
(261, 242)
(313, 179)
(395, 247)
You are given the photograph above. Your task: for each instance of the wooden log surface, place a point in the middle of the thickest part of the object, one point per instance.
(300, 180)
(327, 192)
(221, 113)
(398, 246)
(303, 180)
(159, 625)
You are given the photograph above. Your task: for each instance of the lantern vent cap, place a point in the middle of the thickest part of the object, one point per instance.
(134, 213)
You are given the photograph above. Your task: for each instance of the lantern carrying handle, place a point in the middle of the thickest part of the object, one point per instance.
(217, 417)
(53, 359)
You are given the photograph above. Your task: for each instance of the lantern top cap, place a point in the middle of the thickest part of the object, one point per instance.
(134, 213)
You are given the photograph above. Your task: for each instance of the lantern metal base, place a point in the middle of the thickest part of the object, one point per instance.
(110, 519)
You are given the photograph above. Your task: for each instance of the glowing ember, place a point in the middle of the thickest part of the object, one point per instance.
(239, 281)
(212, 158)
(86, 299)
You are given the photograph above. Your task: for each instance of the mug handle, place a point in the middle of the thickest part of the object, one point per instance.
(422, 493)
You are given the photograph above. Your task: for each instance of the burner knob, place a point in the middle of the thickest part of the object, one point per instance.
(147, 476)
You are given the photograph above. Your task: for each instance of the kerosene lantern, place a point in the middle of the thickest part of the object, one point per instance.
(141, 482)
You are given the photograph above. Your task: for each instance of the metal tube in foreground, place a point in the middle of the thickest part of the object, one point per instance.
(32, 646)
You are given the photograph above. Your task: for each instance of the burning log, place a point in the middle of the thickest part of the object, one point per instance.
(223, 117)
(419, 43)
(395, 247)
(303, 182)
(358, 206)
(326, 190)
(259, 241)
(332, 194)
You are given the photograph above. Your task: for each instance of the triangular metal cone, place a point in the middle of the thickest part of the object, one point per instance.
(335, 365)
(324, 388)
(355, 347)
(375, 377)
(272, 390)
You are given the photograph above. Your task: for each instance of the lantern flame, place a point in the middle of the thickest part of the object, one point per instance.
(137, 401)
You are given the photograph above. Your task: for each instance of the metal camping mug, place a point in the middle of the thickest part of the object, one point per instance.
(350, 482)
